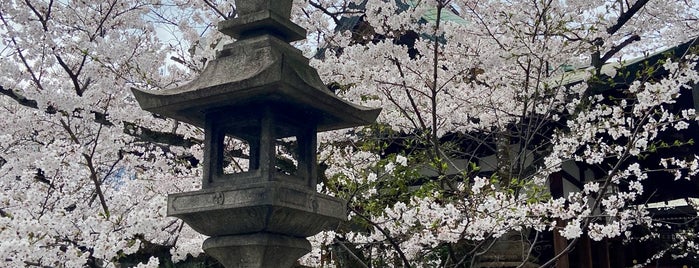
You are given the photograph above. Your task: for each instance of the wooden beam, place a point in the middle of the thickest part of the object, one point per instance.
(602, 258)
(559, 242)
(585, 253)
(559, 245)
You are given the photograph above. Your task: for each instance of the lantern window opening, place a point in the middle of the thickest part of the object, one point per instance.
(287, 156)
(236, 156)
(267, 142)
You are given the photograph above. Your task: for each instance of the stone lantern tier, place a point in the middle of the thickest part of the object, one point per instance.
(262, 91)
(259, 89)
(251, 72)
(260, 207)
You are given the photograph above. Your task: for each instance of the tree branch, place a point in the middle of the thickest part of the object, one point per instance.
(617, 48)
(391, 240)
(626, 16)
(19, 98)
(349, 251)
(132, 129)
(218, 11)
(100, 26)
(73, 75)
(332, 15)
(42, 19)
(149, 135)
(435, 75)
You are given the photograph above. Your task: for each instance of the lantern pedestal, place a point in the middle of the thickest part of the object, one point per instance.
(257, 250)
(269, 207)
(257, 224)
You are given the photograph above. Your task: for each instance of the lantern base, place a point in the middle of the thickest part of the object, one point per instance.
(272, 207)
(256, 250)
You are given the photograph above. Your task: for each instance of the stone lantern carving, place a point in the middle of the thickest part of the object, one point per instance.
(259, 89)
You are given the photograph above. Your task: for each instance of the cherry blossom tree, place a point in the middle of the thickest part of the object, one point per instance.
(483, 103)
(85, 172)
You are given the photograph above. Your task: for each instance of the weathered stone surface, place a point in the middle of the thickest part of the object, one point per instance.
(258, 89)
(263, 207)
(262, 22)
(280, 7)
(263, 69)
(256, 250)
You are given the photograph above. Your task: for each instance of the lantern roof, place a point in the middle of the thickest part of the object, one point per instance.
(259, 69)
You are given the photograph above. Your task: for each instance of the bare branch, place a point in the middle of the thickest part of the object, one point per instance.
(332, 15)
(618, 48)
(132, 129)
(19, 98)
(218, 11)
(626, 16)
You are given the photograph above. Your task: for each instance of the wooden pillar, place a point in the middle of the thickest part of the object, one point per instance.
(559, 242)
(603, 254)
(585, 253)
(695, 97)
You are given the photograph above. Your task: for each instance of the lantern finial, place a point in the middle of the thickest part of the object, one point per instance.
(258, 17)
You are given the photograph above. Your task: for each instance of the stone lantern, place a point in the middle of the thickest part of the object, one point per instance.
(259, 90)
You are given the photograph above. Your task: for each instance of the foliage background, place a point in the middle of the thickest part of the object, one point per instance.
(84, 172)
